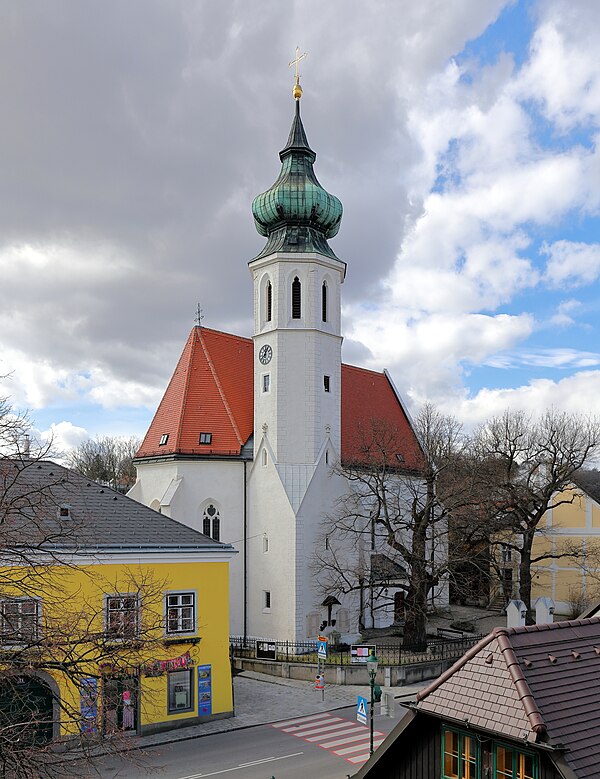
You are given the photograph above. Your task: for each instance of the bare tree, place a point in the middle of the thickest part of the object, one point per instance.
(106, 459)
(531, 467)
(391, 526)
(67, 640)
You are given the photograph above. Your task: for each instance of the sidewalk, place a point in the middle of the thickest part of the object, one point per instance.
(260, 699)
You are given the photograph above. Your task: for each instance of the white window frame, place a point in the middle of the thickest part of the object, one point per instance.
(194, 606)
(138, 615)
(13, 638)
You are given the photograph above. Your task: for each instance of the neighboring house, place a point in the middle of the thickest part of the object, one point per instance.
(243, 442)
(521, 704)
(574, 526)
(112, 616)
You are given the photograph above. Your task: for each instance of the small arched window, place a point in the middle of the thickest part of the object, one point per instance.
(269, 301)
(211, 523)
(324, 302)
(296, 298)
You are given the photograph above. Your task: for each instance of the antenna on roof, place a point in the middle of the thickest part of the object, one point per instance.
(199, 316)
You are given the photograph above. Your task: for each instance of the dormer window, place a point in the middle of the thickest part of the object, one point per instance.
(64, 511)
(163, 439)
(296, 298)
(205, 439)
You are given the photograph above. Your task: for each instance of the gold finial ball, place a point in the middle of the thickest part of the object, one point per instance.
(297, 92)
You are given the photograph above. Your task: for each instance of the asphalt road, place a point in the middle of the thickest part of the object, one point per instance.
(260, 752)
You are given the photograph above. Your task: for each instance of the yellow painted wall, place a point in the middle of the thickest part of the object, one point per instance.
(569, 514)
(73, 604)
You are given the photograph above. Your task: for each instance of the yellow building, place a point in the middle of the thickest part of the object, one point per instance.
(113, 617)
(573, 530)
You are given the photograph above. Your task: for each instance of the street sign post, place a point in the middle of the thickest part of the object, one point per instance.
(362, 710)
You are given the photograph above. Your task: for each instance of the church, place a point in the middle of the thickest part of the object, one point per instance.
(245, 442)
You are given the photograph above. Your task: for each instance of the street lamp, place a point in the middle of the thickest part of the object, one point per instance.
(372, 663)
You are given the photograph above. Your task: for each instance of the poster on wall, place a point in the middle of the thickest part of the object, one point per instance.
(204, 690)
(88, 705)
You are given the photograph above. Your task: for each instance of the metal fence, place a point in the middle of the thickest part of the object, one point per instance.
(387, 653)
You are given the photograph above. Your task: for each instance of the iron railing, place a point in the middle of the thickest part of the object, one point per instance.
(387, 653)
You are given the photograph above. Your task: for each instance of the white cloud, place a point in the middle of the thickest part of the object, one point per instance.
(63, 436)
(571, 263)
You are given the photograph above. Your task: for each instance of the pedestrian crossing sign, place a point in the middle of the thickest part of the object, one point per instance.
(361, 710)
(322, 648)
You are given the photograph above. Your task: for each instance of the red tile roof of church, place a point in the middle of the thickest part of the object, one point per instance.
(212, 391)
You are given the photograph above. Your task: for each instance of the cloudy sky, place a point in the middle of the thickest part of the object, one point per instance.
(462, 138)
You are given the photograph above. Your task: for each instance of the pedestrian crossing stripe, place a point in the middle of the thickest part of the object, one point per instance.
(339, 736)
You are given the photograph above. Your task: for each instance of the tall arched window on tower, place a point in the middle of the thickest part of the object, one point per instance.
(296, 298)
(211, 522)
(324, 302)
(269, 301)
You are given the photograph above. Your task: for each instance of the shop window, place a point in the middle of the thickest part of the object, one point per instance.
(460, 755)
(180, 610)
(512, 763)
(181, 691)
(20, 620)
(122, 617)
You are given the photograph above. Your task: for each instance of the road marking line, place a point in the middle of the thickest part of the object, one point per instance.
(309, 717)
(299, 729)
(360, 759)
(355, 748)
(353, 730)
(350, 740)
(243, 765)
(324, 731)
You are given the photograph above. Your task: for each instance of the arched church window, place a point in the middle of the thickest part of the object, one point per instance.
(324, 302)
(211, 523)
(296, 298)
(269, 301)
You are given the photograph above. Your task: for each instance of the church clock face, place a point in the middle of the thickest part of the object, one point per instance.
(265, 354)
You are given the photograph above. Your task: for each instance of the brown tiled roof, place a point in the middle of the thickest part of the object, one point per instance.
(535, 682)
(212, 391)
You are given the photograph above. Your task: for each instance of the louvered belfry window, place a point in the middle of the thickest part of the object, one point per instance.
(269, 301)
(296, 297)
(324, 302)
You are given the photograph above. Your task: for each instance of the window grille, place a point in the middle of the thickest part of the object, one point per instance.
(296, 298)
(269, 301)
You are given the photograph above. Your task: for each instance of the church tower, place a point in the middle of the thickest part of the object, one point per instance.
(297, 310)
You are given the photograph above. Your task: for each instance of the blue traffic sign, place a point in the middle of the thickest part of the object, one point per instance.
(322, 648)
(362, 709)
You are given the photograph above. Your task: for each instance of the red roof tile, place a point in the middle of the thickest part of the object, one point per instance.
(212, 391)
(372, 410)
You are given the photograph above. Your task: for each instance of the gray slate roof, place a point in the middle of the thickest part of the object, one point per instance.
(102, 519)
(589, 482)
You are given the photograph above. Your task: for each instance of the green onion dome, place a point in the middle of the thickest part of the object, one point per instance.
(296, 214)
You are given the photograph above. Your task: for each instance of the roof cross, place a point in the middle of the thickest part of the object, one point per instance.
(199, 316)
(297, 89)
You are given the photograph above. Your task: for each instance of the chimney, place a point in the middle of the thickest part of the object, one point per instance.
(516, 613)
(26, 445)
(544, 611)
